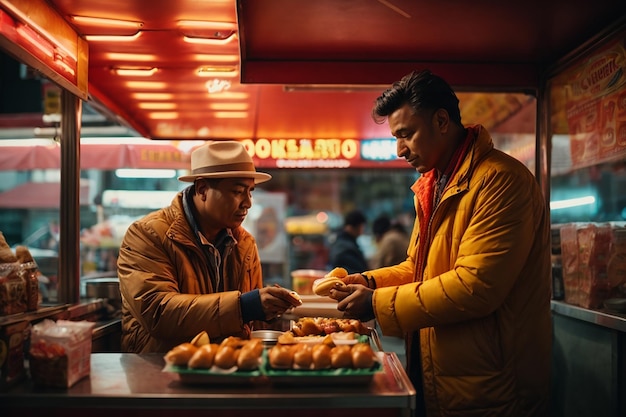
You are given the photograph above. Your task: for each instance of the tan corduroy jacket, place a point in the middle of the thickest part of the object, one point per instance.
(483, 306)
(167, 296)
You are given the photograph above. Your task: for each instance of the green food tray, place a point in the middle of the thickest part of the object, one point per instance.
(318, 376)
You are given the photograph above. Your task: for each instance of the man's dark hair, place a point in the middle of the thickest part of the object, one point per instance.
(354, 218)
(381, 224)
(422, 90)
(210, 182)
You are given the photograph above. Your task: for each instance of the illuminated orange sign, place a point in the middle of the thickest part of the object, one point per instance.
(324, 153)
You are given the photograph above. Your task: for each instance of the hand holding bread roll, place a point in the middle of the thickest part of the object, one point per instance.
(332, 280)
(276, 300)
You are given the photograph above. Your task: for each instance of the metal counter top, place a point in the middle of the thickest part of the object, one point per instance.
(603, 317)
(124, 381)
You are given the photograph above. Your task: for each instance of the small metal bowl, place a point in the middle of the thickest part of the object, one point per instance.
(269, 337)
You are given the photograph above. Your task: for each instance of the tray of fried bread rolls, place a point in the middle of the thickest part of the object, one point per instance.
(233, 360)
(314, 351)
(319, 350)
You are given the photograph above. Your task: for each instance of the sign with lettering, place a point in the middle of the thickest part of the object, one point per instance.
(325, 153)
(589, 104)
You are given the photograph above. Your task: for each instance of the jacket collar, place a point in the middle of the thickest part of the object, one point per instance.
(224, 238)
(477, 151)
(482, 145)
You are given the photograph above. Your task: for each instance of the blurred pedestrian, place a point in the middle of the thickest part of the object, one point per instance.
(345, 251)
(392, 242)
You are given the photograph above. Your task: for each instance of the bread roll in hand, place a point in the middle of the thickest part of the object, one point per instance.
(331, 280)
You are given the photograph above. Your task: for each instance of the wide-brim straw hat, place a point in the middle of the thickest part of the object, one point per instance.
(223, 159)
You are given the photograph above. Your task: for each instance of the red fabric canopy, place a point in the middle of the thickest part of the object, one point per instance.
(38, 195)
(135, 153)
(37, 156)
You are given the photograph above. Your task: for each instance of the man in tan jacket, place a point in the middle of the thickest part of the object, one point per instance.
(473, 297)
(191, 266)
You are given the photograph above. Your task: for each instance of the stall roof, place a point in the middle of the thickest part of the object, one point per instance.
(311, 69)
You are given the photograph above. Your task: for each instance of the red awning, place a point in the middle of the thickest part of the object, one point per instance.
(34, 154)
(107, 154)
(146, 154)
(38, 195)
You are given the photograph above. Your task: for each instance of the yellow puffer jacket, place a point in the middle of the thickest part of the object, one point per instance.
(167, 296)
(483, 306)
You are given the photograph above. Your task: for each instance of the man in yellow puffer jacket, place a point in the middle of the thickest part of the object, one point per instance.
(473, 296)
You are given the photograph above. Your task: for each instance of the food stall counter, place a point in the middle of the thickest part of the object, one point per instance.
(120, 382)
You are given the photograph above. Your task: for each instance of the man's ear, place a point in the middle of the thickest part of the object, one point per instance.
(442, 120)
(200, 186)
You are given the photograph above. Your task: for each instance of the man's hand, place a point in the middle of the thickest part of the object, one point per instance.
(355, 301)
(276, 300)
(354, 279)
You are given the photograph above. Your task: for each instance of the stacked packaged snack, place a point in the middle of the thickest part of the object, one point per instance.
(13, 337)
(60, 352)
(30, 273)
(12, 285)
(616, 265)
(594, 241)
(569, 263)
(594, 258)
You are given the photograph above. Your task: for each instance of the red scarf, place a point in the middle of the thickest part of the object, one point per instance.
(424, 190)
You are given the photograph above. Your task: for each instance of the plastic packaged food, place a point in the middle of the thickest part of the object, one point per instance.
(60, 352)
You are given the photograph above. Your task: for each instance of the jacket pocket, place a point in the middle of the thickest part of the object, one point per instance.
(469, 348)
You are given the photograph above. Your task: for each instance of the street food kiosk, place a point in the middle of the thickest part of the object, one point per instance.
(569, 55)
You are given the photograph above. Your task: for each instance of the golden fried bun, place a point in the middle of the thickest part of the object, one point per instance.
(295, 296)
(203, 357)
(323, 286)
(338, 272)
(179, 355)
(201, 339)
(225, 357)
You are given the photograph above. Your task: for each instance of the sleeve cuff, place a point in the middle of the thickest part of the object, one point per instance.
(371, 282)
(251, 308)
